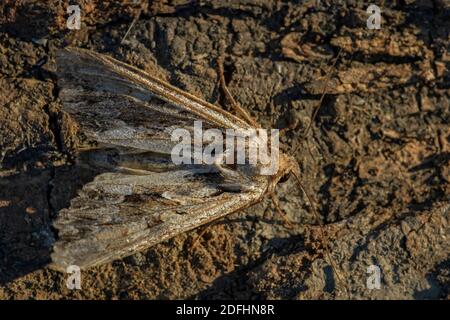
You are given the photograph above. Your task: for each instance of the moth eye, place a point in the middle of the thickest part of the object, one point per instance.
(285, 177)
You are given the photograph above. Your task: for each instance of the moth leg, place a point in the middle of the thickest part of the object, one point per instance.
(194, 242)
(135, 19)
(237, 108)
(276, 203)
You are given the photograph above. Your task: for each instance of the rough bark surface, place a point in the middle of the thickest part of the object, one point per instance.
(378, 166)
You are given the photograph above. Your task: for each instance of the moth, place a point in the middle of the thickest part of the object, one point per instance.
(143, 198)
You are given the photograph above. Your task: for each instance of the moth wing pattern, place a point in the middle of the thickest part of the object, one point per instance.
(120, 213)
(118, 104)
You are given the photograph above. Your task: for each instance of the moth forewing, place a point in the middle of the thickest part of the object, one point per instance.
(131, 218)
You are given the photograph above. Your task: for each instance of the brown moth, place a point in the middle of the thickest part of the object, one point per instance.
(144, 198)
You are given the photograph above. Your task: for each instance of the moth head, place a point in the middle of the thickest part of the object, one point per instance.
(288, 166)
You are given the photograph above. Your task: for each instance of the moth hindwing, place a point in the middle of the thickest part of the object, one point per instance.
(147, 199)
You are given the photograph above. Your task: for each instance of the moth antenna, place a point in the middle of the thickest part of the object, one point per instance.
(276, 203)
(135, 19)
(323, 236)
(322, 97)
